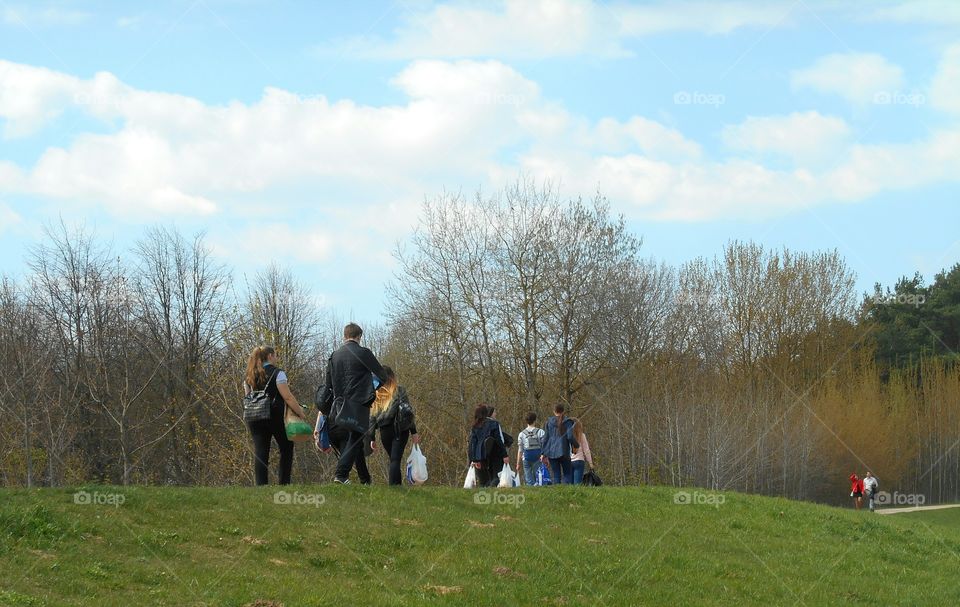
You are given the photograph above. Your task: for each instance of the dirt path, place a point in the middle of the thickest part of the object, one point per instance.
(915, 509)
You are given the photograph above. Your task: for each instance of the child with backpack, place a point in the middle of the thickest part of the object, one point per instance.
(558, 440)
(529, 448)
(486, 449)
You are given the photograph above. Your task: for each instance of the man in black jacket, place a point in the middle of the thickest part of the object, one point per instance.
(346, 398)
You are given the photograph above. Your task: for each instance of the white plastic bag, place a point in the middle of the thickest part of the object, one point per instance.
(471, 481)
(506, 478)
(516, 479)
(416, 466)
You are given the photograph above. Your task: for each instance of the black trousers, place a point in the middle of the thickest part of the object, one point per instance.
(263, 431)
(393, 445)
(349, 446)
(488, 475)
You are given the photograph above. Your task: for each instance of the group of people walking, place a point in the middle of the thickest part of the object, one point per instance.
(561, 446)
(361, 398)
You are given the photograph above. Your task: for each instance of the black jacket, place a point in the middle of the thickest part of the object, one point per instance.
(486, 442)
(349, 379)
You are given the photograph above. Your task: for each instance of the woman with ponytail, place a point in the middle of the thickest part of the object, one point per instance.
(559, 439)
(264, 374)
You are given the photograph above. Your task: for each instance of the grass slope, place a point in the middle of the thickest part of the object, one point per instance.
(437, 546)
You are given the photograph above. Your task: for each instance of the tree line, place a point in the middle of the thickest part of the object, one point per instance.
(757, 370)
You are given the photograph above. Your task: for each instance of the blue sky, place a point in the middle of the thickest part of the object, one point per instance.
(318, 128)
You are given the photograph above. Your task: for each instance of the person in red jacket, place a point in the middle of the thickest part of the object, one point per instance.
(856, 490)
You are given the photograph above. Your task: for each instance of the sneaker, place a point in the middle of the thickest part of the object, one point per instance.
(341, 482)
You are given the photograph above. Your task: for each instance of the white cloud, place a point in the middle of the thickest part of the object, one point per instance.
(701, 16)
(175, 154)
(514, 28)
(463, 123)
(651, 138)
(32, 96)
(806, 137)
(933, 12)
(34, 16)
(553, 28)
(945, 88)
(872, 169)
(736, 188)
(857, 77)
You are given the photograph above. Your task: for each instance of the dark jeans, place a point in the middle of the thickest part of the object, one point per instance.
(349, 446)
(578, 468)
(394, 445)
(262, 432)
(561, 470)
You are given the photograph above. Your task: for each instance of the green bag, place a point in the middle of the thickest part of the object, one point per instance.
(298, 429)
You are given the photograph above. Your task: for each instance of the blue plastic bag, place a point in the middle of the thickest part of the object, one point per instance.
(323, 440)
(543, 475)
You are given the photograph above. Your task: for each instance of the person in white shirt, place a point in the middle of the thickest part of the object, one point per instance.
(529, 449)
(580, 457)
(870, 485)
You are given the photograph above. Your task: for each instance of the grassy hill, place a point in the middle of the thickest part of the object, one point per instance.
(353, 545)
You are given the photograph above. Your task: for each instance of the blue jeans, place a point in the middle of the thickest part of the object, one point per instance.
(578, 467)
(530, 471)
(560, 468)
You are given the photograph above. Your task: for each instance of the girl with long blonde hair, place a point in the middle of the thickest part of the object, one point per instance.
(396, 426)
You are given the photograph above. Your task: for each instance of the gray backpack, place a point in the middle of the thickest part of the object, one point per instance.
(533, 439)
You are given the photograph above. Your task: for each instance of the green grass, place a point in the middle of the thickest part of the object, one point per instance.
(437, 546)
(947, 517)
